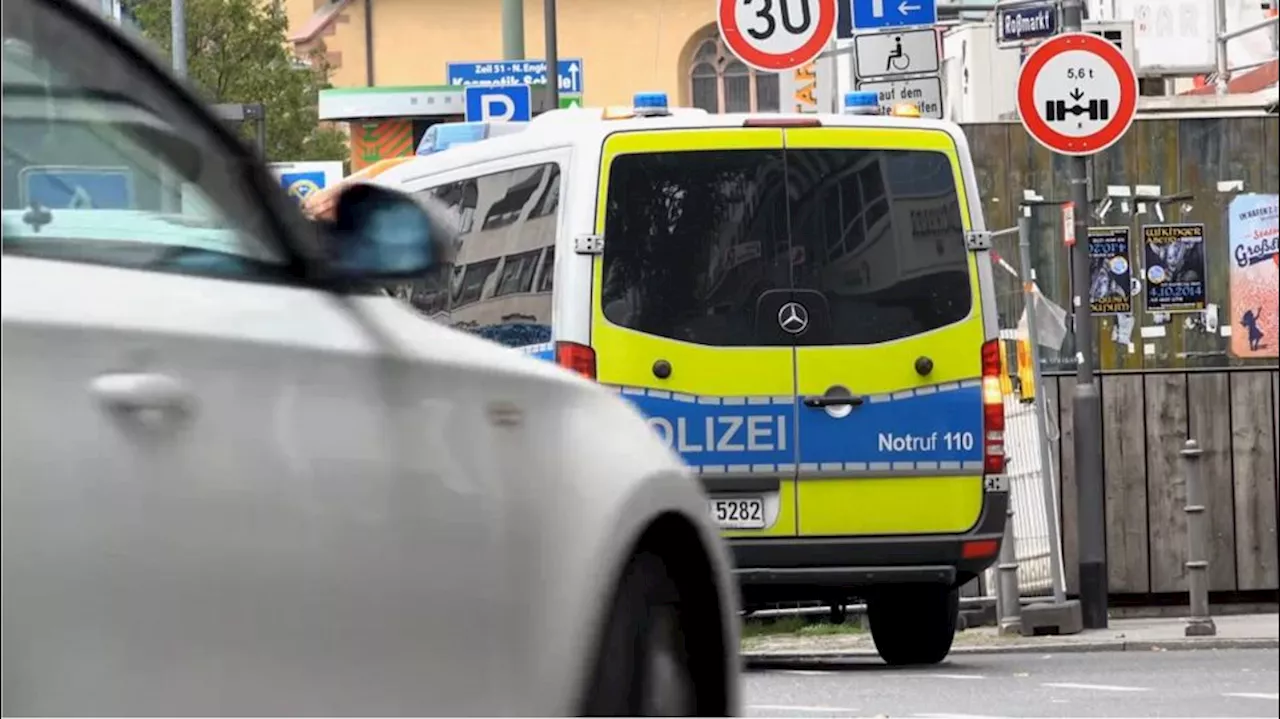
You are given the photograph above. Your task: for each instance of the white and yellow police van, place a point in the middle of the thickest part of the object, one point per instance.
(803, 307)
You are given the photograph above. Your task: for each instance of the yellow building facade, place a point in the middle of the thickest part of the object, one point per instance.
(625, 46)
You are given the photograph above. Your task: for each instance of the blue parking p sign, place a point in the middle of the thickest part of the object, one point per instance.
(77, 188)
(511, 103)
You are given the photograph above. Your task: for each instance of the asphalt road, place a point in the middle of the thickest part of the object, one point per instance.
(1201, 683)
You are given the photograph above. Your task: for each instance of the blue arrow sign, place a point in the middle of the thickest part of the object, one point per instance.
(82, 188)
(516, 72)
(500, 103)
(875, 14)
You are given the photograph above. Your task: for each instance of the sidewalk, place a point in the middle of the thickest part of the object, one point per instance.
(1243, 631)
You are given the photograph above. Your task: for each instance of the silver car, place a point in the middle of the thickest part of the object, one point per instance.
(240, 480)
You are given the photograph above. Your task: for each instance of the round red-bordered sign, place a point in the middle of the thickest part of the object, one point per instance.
(776, 40)
(1077, 94)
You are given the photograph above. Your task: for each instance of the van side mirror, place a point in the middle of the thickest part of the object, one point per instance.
(376, 233)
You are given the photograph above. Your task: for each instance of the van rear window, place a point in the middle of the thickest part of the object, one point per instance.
(700, 246)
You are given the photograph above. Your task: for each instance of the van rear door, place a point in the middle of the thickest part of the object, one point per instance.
(695, 269)
(878, 223)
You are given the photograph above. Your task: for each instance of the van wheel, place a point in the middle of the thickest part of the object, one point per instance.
(914, 624)
(642, 666)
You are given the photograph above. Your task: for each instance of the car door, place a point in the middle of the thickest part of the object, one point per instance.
(688, 294)
(224, 490)
(897, 327)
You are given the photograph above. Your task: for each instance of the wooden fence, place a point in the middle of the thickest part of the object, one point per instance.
(1146, 418)
(1186, 383)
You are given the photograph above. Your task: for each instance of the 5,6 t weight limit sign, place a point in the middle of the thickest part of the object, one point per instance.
(1077, 94)
(776, 35)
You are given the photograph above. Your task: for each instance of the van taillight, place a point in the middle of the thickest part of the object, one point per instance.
(580, 359)
(992, 410)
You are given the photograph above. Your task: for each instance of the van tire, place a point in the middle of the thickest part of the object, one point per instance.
(642, 666)
(914, 625)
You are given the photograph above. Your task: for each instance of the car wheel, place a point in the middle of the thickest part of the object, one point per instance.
(914, 625)
(642, 666)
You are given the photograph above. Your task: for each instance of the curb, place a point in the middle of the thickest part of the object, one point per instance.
(770, 660)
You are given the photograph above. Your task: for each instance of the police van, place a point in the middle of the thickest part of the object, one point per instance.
(802, 306)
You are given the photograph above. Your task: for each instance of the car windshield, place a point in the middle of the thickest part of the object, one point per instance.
(92, 173)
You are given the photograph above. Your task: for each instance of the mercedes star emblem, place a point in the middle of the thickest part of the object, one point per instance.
(793, 318)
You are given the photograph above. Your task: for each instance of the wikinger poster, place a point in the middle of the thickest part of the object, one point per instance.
(1174, 262)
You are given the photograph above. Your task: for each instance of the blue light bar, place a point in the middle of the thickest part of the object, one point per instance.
(447, 134)
(861, 102)
(651, 103)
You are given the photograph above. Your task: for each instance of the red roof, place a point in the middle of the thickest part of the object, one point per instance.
(1259, 78)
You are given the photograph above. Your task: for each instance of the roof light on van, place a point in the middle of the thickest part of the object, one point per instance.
(862, 103)
(905, 109)
(651, 104)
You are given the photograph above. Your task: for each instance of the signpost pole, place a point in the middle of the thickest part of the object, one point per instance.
(170, 184)
(512, 29)
(1091, 527)
(553, 55)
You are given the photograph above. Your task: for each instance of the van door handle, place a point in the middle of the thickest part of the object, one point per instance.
(141, 391)
(818, 401)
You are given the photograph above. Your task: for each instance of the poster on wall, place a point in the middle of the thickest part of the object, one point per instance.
(1109, 271)
(1254, 275)
(1174, 262)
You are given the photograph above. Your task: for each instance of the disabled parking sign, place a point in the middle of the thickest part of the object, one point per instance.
(1077, 94)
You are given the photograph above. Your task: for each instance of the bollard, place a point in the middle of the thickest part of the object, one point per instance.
(1199, 623)
(1007, 598)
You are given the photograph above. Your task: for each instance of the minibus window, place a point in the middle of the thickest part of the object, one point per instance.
(881, 239)
(692, 239)
(695, 240)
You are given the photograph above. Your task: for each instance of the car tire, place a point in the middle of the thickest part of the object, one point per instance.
(914, 625)
(642, 666)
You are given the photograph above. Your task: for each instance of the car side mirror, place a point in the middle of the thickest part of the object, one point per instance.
(376, 233)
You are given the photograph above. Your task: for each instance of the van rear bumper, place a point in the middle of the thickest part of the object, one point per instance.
(786, 568)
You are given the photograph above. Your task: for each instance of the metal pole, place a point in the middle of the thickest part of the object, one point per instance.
(178, 35)
(1087, 405)
(1008, 602)
(1199, 624)
(512, 29)
(1219, 28)
(553, 55)
(1046, 458)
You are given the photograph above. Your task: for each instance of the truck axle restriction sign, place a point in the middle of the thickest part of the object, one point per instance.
(776, 35)
(1077, 94)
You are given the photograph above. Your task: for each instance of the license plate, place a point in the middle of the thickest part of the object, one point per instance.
(738, 513)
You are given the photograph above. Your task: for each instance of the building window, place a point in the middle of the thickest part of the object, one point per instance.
(720, 82)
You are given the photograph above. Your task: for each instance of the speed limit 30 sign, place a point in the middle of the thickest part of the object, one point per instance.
(776, 35)
(1077, 94)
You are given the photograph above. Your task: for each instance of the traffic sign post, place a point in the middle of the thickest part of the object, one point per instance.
(502, 103)
(77, 188)
(569, 73)
(776, 35)
(1077, 95)
(892, 54)
(882, 14)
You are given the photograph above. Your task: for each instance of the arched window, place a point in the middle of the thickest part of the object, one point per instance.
(720, 82)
